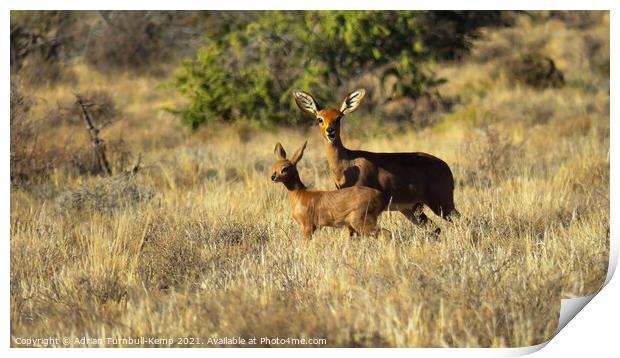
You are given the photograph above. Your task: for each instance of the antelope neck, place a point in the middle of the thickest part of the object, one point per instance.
(294, 183)
(336, 154)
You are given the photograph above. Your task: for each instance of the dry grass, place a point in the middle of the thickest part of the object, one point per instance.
(217, 254)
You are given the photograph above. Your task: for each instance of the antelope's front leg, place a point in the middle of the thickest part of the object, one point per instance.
(308, 230)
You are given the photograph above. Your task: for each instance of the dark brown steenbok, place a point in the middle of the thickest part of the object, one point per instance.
(357, 208)
(408, 180)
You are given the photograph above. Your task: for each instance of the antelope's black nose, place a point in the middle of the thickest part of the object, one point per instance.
(330, 130)
(273, 177)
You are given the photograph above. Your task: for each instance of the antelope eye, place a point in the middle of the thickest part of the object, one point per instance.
(284, 170)
(320, 121)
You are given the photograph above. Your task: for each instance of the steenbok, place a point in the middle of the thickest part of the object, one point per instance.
(356, 208)
(408, 180)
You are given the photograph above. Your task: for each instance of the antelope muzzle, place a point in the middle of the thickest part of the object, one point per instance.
(330, 133)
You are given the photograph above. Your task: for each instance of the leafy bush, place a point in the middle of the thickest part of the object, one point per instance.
(249, 72)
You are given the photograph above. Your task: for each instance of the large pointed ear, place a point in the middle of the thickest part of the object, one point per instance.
(306, 103)
(298, 154)
(352, 101)
(279, 152)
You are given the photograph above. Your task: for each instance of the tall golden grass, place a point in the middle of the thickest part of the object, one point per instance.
(212, 251)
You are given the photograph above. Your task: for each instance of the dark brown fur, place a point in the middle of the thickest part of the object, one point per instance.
(408, 180)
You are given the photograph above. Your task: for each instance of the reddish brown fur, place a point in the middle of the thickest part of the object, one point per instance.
(407, 179)
(357, 208)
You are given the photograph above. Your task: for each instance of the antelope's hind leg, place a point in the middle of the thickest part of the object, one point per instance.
(369, 227)
(364, 226)
(445, 209)
(417, 217)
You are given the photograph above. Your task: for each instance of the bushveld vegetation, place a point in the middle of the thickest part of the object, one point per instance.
(195, 241)
(248, 73)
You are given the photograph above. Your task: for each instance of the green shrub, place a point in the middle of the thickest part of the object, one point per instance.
(250, 73)
(248, 70)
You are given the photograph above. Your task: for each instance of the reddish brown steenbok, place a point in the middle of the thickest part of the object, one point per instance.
(357, 207)
(408, 180)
